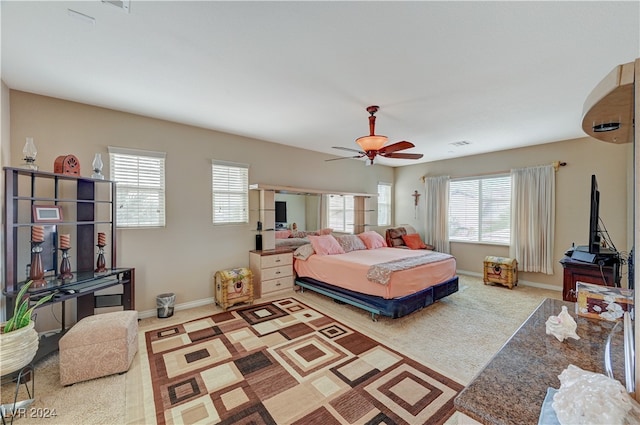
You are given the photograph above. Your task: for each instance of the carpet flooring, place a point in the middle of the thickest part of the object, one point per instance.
(456, 337)
(286, 363)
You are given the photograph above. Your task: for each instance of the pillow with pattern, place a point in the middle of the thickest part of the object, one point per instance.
(303, 252)
(350, 243)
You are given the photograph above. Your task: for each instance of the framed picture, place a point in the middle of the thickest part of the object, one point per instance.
(47, 214)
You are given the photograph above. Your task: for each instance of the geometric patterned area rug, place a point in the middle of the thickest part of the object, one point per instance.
(285, 363)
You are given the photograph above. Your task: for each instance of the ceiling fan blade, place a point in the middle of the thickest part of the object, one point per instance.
(403, 155)
(348, 149)
(398, 146)
(344, 157)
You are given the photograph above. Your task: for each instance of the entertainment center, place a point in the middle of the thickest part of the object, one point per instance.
(599, 261)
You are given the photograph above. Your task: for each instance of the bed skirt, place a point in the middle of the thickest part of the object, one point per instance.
(394, 308)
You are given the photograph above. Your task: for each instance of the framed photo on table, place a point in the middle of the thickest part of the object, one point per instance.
(47, 214)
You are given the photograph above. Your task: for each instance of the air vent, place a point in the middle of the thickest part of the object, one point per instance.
(124, 4)
(460, 143)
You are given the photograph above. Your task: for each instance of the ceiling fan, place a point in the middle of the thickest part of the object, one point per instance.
(373, 145)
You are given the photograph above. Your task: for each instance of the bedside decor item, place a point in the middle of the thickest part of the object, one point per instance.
(562, 326)
(30, 153)
(97, 167)
(47, 214)
(100, 263)
(67, 164)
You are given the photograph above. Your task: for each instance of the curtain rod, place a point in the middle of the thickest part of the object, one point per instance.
(556, 165)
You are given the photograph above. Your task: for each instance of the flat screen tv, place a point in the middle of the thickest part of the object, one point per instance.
(281, 212)
(594, 214)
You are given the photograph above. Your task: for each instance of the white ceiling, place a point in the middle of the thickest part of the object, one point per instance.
(499, 75)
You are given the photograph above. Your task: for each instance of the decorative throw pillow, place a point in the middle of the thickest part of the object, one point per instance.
(413, 241)
(298, 234)
(326, 231)
(325, 245)
(283, 234)
(395, 236)
(303, 252)
(351, 243)
(372, 240)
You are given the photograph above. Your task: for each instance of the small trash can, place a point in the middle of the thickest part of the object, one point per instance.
(165, 304)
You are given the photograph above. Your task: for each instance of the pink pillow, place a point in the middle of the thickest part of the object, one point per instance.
(372, 239)
(325, 245)
(326, 231)
(283, 234)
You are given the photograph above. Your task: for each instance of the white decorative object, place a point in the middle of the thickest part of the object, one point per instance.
(97, 167)
(562, 326)
(30, 153)
(592, 398)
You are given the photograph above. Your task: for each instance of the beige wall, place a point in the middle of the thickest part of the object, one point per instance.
(183, 256)
(5, 152)
(586, 156)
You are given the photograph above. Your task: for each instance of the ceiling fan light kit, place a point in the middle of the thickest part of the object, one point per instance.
(373, 144)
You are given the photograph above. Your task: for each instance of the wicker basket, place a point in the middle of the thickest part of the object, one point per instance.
(18, 348)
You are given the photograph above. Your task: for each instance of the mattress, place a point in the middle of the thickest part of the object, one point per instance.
(349, 271)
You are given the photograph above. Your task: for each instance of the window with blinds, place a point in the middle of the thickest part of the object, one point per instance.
(230, 189)
(341, 213)
(140, 194)
(384, 204)
(480, 210)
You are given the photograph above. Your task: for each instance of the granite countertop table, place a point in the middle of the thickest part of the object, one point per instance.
(512, 386)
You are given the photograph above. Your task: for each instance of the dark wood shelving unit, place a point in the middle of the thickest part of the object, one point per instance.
(25, 188)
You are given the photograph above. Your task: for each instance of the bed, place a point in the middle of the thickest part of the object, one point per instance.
(418, 278)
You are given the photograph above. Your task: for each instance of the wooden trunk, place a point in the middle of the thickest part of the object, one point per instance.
(501, 270)
(233, 286)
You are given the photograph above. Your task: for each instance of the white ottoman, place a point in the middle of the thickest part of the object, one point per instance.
(98, 346)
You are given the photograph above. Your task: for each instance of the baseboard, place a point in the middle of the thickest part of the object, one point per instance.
(207, 301)
(520, 282)
(182, 306)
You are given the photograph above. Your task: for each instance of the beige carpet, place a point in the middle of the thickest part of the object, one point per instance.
(456, 336)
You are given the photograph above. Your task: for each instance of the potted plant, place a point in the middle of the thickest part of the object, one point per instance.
(18, 337)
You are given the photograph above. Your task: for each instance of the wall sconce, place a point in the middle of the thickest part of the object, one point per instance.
(30, 153)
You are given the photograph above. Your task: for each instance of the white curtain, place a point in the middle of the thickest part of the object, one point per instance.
(436, 224)
(533, 218)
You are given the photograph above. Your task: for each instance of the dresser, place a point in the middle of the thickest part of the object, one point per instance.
(272, 271)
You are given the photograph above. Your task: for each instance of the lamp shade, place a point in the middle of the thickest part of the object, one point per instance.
(371, 143)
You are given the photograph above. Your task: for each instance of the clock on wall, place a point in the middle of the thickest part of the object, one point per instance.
(67, 164)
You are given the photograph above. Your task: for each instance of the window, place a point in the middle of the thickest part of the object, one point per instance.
(384, 204)
(230, 189)
(140, 194)
(341, 213)
(480, 210)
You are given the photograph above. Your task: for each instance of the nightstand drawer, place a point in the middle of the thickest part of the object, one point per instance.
(276, 260)
(277, 284)
(276, 272)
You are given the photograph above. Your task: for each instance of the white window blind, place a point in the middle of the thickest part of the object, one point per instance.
(230, 189)
(480, 210)
(384, 204)
(140, 189)
(341, 213)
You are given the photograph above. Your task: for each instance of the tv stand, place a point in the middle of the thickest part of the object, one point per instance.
(602, 272)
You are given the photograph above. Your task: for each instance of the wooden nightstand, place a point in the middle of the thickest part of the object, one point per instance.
(272, 271)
